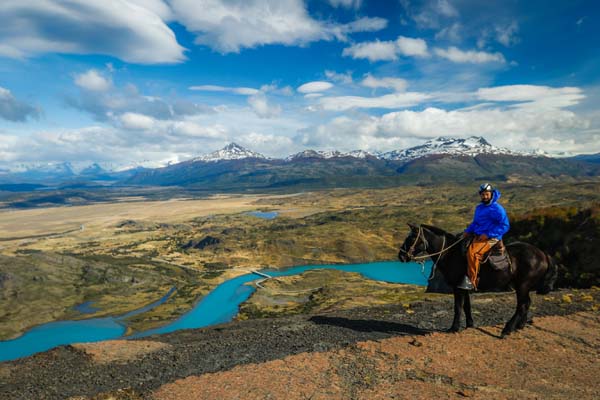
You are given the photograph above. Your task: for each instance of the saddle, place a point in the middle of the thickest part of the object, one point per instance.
(497, 257)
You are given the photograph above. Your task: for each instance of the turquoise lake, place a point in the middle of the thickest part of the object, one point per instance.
(220, 305)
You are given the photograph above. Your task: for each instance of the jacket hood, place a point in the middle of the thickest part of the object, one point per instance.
(495, 197)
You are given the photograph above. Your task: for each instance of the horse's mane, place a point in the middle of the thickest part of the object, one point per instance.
(439, 231)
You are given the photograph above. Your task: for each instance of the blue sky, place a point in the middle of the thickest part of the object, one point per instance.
(164, 80)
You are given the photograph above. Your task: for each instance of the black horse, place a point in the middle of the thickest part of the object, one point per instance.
(531, 269)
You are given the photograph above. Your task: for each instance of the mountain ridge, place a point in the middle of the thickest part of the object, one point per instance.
(236, 168)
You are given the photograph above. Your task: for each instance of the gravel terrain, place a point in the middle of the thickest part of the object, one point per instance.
(141, 368)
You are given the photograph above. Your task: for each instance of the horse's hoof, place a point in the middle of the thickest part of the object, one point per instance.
(470, 325)
(453, 330)
(504, 334)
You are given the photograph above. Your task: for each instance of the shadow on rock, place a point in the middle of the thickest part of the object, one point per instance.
(363, 325)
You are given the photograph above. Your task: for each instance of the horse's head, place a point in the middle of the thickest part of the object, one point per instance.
(414, 244)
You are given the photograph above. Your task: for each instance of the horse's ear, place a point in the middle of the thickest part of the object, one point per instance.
(413, 227)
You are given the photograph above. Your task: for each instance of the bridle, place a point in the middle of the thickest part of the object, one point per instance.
(421, 259)
(411, 249)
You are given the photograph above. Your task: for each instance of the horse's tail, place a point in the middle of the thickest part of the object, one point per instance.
(547, 283)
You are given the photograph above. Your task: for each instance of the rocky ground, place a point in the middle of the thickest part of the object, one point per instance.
(374, 352)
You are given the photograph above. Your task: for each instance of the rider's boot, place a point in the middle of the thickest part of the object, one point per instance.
(466, 284)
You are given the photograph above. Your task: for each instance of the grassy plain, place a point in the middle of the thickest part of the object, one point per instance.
(195, 244)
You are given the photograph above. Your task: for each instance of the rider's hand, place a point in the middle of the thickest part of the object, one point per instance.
(483, 236)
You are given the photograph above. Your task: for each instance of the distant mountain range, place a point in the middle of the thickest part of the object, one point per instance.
(236, 168)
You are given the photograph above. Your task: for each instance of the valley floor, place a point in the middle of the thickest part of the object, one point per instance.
(389, 351)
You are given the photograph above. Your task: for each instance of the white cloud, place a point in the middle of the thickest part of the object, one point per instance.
(398, 84)
(313, 95)
(412, 46)
(108, 105)
(388, 50)
(365, 24)
(372, 51)
(93, 80)
(346, 3)
(14, 110)
(157, 7)
(476, 57)
(137, 121)
(82, 27)
(195, 130)
(394, 100)
(444, 8)
(533, 95)
(431, 14)
(517, 129)
(507, 35)
(451, 33)
(261, 106)
(236, 24)
(237, 90)
(316, 86)
(344, 77)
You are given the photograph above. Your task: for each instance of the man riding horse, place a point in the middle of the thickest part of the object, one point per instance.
(490, 223)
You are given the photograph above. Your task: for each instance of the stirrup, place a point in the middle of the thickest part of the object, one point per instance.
(466, 284)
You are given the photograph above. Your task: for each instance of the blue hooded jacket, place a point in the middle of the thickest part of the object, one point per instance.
(490, 219)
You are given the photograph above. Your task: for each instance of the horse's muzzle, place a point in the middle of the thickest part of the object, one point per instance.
(403, 256)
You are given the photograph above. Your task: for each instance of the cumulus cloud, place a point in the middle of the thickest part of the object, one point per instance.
(388, 50)
(316, 86)
(215, 88)
(520, 117)
(94, 81)
(14, 110)
(83, 27)
(236, 24)
(517, 129)
(261, 106)
(137, 121)
(412, 46)
(372, 51)
(398, 84)
(475, 57)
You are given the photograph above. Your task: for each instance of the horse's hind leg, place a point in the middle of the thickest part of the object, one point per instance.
(467, 309)
(519, 318)
(524, 311)
(459, 298)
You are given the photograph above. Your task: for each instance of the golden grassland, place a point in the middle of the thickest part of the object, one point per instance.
(329, 226)
(325, 290)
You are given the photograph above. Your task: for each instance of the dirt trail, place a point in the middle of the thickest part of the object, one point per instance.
(390, 351)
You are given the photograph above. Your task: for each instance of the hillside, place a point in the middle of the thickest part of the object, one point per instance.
(373, 352)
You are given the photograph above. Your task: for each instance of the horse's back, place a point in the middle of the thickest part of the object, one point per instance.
(533, 267)
(519, 250)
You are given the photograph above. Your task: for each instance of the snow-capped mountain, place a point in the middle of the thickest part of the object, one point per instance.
(471, 146)
(328, 154)
(232, 151)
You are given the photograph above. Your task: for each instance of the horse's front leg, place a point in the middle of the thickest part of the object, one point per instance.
(459, 298)
(467, 309)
